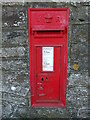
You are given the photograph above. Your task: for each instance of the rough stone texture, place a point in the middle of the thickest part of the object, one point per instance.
(14, 17)
(14, 38)
(15, 63)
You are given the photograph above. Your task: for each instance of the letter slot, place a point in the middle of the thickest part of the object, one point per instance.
(44, 32)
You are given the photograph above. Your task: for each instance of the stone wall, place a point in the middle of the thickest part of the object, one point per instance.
(15, 63)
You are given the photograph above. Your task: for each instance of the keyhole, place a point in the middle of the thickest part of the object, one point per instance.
(42, 79)
(46, 78)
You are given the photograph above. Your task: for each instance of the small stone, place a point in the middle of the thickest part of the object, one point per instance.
(5, 24)
(13, 88)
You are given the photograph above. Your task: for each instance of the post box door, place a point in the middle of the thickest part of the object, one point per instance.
(48, 74)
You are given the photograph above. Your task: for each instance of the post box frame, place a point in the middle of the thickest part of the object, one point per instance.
(64, 47)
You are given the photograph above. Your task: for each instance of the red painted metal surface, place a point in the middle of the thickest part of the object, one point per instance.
(48, 48)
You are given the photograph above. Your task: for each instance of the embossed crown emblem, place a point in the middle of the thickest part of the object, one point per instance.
(48, 18)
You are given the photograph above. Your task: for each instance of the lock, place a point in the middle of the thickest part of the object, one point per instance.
(48, 48)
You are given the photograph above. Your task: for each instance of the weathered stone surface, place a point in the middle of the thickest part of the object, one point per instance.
(13, 52)
(7, 109)
(14, 38)
(25, 58)
(84, 112)
(80, 33)
(20, 1)
(79, 13)
(15, 88)
(14, 65)
(39, 5)
(18, 100)
(79, 52)
(13, 16)
(16, 82)
(76, 80)
(40, 113)
(77, 91)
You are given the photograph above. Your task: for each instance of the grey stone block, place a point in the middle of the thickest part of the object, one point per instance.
(14, 99)
(79, 52)
(13, 52)
(77, 80)
(79, 33)
(13, 16)
(14, 38)
(14, 65)
(77, 14)
(7, 109)
(15, 88)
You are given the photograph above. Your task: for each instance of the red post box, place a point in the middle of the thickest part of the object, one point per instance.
(48, 47)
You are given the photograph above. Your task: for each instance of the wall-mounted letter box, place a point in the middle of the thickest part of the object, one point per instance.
(48, 47)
